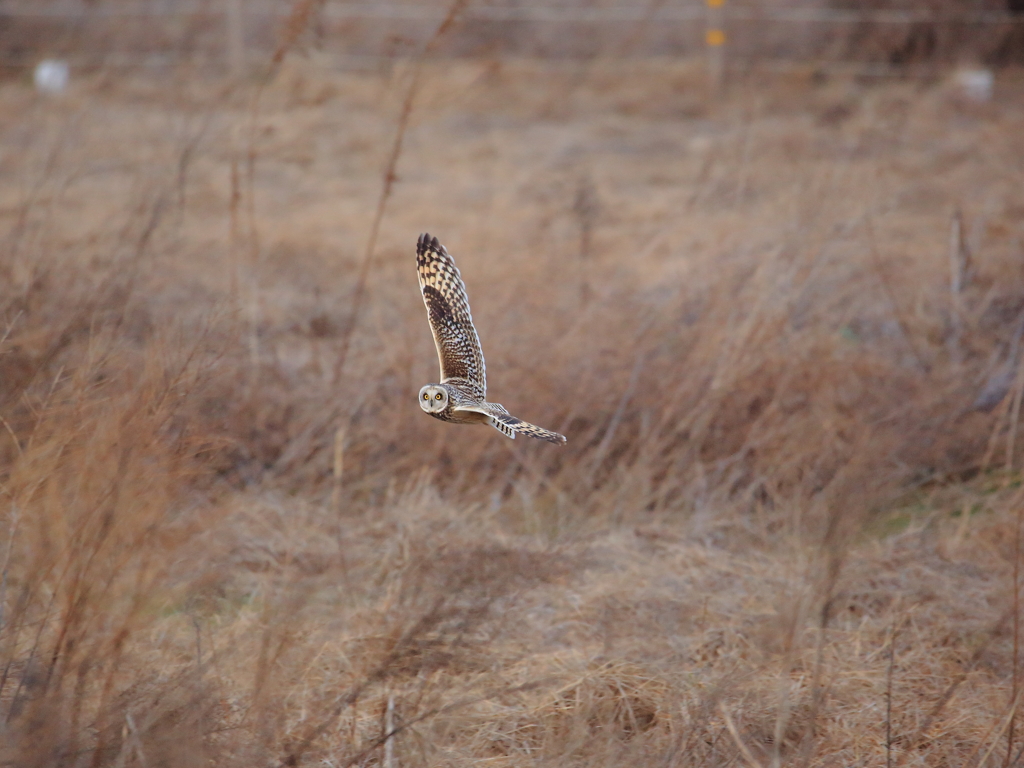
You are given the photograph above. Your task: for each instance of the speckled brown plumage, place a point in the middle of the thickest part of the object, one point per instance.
(458, 346)
(460, 397)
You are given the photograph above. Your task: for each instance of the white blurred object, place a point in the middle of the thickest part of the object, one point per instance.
(699, 144)
(975, 84)
(51, 76)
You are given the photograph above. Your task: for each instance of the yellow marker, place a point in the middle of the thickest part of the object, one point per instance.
(715, 37)
(715, 3)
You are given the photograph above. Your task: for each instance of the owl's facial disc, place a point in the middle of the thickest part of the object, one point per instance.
(433, 398)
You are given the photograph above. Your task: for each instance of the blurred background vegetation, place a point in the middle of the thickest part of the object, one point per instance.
(771, 290)
(882, 32)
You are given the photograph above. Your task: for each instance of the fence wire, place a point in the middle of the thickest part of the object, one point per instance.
(191, 28)
(68, 9)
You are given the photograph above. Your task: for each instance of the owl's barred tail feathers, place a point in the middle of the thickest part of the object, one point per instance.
(511, 425)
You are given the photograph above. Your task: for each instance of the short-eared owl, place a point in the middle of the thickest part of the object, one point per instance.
(459, 397)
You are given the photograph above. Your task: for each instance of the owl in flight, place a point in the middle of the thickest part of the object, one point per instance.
(459, 397)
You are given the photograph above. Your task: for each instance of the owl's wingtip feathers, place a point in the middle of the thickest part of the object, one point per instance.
(510, 426)
(532, 430)
(427, 242)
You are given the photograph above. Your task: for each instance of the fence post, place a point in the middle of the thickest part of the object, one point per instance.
(714, 38)
(234, 21)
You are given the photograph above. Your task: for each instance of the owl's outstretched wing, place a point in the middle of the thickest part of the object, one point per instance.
(509, 425)
(458, 346)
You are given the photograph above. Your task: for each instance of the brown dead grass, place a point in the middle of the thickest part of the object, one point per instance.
(777, 480)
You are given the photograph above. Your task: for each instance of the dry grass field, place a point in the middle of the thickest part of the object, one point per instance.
(780, 328)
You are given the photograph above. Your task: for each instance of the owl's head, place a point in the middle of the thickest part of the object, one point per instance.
(433, 398)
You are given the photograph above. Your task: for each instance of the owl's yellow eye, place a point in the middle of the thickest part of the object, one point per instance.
(426, 396)
(437, 396)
